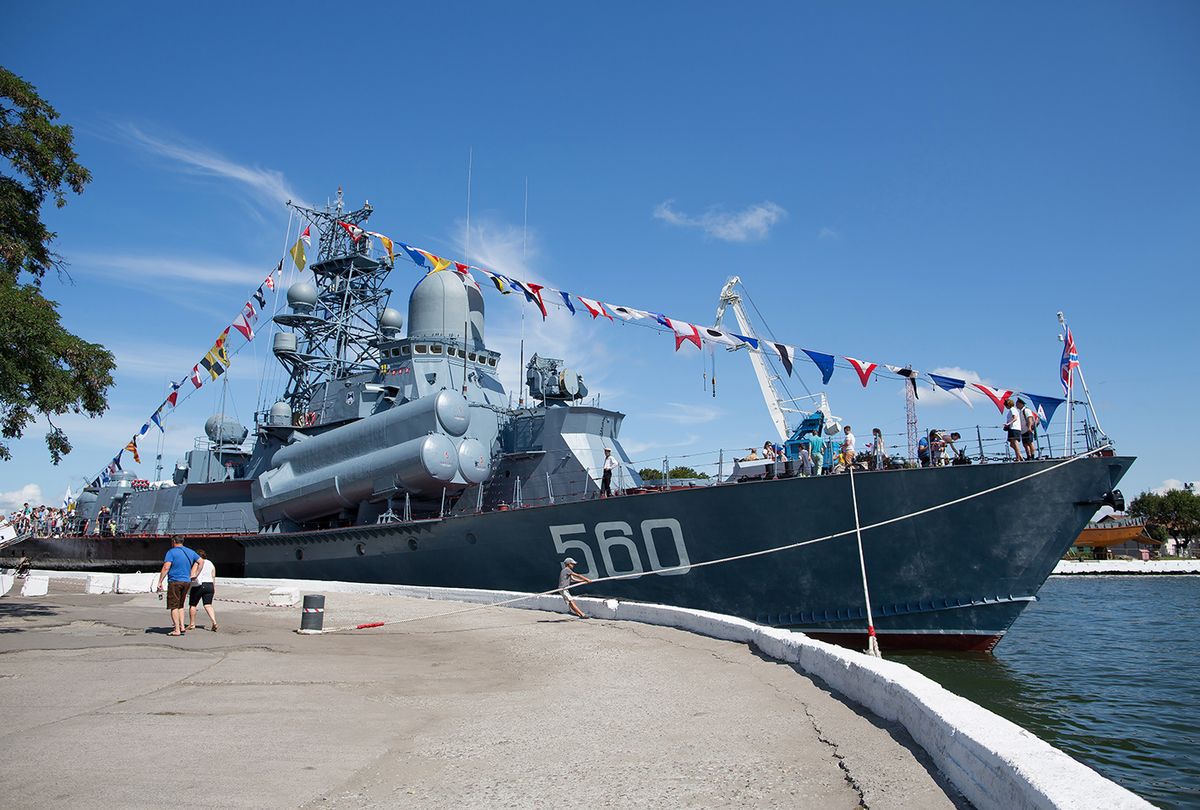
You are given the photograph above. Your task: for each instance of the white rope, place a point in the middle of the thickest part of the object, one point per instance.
(748, 554)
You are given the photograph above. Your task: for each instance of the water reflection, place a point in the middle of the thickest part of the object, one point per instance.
(1105, 669)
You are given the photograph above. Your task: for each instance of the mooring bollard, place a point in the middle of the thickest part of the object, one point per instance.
(312, 619)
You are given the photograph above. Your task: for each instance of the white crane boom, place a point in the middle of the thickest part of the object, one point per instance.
(730, 298)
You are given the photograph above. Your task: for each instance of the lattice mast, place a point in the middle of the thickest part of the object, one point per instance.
(335, 311)
(910, 412)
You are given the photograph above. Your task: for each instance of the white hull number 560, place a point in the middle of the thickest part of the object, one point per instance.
(617, 534)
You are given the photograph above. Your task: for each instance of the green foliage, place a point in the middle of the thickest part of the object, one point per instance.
(44, 369)
(676, 473)
(1173, 514)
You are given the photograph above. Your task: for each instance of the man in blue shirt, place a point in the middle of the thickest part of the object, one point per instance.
(177, 568)
(816, 447)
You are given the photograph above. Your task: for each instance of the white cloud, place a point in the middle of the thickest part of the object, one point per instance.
(828, 233)
(1169, 484)
(748, 225)
(635, 448)
(267, 186)
(684, 414)
(30, 494)
(164, 271)
(507, 249)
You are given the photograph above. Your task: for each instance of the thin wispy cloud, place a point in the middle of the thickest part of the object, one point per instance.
(267, 186)
(682, 413)
(134, 270)
(936, 396)
(750, 224)
(828, 233)
(510, 250)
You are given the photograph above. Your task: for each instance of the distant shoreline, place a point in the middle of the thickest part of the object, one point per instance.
(1127, 568)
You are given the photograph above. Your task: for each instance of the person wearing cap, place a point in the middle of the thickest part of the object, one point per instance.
(566, 578)
(610, 464)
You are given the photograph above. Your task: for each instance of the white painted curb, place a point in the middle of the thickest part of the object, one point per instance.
(6, 582)
(1110, 567)
(283, 597)
(100, 583)
(135, 583)
(35, 586)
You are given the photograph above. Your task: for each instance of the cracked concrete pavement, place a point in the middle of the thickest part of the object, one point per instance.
(493, 708)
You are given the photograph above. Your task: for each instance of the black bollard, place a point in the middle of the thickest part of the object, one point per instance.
(312, 619)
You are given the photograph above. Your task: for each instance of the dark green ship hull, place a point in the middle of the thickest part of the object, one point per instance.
(954, 577)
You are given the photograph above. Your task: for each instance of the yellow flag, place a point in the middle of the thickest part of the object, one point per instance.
(217, 359)
(439, 264)
(387, 245)
(298, 256)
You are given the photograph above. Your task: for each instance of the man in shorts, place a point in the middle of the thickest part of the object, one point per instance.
(1029, 423)
(177, 568)
(566, 578)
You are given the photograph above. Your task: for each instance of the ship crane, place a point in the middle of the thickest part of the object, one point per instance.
(776, 404)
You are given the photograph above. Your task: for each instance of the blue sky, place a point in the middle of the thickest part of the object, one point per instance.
(915, 183)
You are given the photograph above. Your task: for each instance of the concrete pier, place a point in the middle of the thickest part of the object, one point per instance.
(494, 708)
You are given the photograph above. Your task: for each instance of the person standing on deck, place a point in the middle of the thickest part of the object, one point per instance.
(1029, 423)
(566, 578)
(1012, 424)
(610, 464)
(848, 447)
(816, 447)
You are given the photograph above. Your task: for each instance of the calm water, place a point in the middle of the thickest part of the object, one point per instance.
(1105, 668)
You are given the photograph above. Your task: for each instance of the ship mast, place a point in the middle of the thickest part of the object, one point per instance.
(335, 312)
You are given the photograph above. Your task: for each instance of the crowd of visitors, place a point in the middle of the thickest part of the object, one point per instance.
(44, 521)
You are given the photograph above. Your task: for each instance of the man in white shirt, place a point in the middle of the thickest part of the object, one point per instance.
(1029, 423)
(848, 447)
(1012, 425)
(610, 464)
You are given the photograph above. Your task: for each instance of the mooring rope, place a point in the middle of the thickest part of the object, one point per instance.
(734, 558)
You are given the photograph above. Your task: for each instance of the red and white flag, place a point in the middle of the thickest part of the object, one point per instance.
(865, 370)
(685, 332)
(355, 232)
(595, 307)
(996, 395)
(306, 237)
(196, 381)
(242, 325)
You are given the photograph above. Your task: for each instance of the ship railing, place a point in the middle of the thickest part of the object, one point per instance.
(978, 444)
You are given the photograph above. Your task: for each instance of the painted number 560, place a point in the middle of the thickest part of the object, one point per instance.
(617, 534)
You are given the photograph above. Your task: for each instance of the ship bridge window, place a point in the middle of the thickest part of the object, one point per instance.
(472, 357)
(406, 350)
(453, 352)
(421, 348)
(395, 352)
(492, 362)
(435, 348)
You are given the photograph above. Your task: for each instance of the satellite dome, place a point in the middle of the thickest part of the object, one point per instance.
(438, 307)
(225, 430)
(302, 296)
(390, 322)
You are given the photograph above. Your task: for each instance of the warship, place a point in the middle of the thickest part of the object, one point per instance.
(394, 454)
